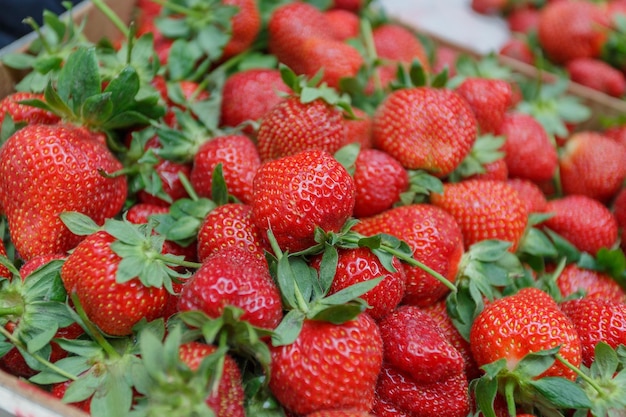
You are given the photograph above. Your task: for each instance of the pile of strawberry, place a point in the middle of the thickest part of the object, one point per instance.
(582, 40)
(283, 208)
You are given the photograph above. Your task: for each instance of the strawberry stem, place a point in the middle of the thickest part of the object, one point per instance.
(19, 344)
(37, 29)
(91, 328)
(15, 310)
(112, 16)
(170, 260)
(368, 40)
(509, 395)
(582, 375)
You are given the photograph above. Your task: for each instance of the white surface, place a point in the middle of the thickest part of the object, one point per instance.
(452, 20)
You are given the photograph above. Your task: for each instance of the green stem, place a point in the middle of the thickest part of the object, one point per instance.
(592, 383)
(92, 330)
(170, 260)
(19, 344)
(509, 395)
(188, 186)
(37, 29)
(15, 310)
(368, 40)
(112, 16)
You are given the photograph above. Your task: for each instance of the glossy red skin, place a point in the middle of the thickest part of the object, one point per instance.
(619, 208)
(397, 44)
(291, 127)
(527, 321)
(294, 194)
(379, 179)
(344, 23)
(249, 94)
(23, 113)
(340, 413)
(384, 408)
(572, 29)
(414, 344)
(583, 221)
(438, 312)
(484, 209)
(4, 271)
(435, 239)
(114, 307)
(240, 161)
(489, 98)
(445, 398)
(592, 164)
(529, 153)
(246, 25)
(35, 188)
(228, 400)
(234, 276)
(229, 225)
(530, 194)
(328, 366)
(358, 265)
(598, 75)
(597, 320)
(337, 60)
(595, 284)
(425, 128)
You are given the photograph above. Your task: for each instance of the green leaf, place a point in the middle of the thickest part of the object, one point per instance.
(561, 392)
(96, 109)
(42, 339)
(288, 329)
(339, 313)
(79, 78)
(78, 223)
(605, 360)
(328, 267)
(485, 390)
(536, 363)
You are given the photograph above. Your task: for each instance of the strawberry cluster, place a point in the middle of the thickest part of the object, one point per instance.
(580, 40)
(284, 208)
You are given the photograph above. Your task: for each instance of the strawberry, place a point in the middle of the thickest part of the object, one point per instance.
(484, 209)
(530, 194)
(533, 323)
(414, 126)
(598, 75)
(295, 194)
(518, 49)
(529, 152)
(379, 180)
(239, 158)
(619, 208)
(344, 23)
(37, 230)
(445, 57)
(592, 165)
(597, 320)
(496, 171)
(340, 413)
(22, 113)
(359, 129)
(245, 26)
(351, 5)
(247, 95)
(583, 221)
(593, 284)
(489, 98)
(328, 366)
(169, 175)
(58, 391)
(361, 264)
(229, 225)
(434, 238)
(234, 276)
(444, 398)
(4, 271)
(300, 123)
(523, 20)
(572, 29)
(413, 344)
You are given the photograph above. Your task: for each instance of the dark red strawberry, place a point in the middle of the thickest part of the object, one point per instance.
(295, 194)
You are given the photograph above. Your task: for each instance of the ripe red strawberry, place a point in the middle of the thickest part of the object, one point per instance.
(340, 413)
(528, 321)
(229, 225)
(572, 29)
(597, 320)
(234, 276)
(619, 208)
(344, 23)
(518, 49)
(379, 180)
(33, 264)
(445, 398)
(239, 158)
(293, 126)
(247, 95)
(295, 194)
(593, 165)
(489, 98)
(10, 105)
(70, 182)
(413, 344)
(594, 284)
(228, 399)
(115, 307)
(583, 221)
(435, 239)
(351, 5)
(246, 25)
(529, 153)
(414, 125)
(496, 170)
(598, 75)
(4, 271)
(359, 130)
(530, 194)
(329, 366)
(523, 20)
(484, 209)
(361, 264)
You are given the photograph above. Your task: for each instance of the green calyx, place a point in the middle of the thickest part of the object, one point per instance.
(139, 247)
